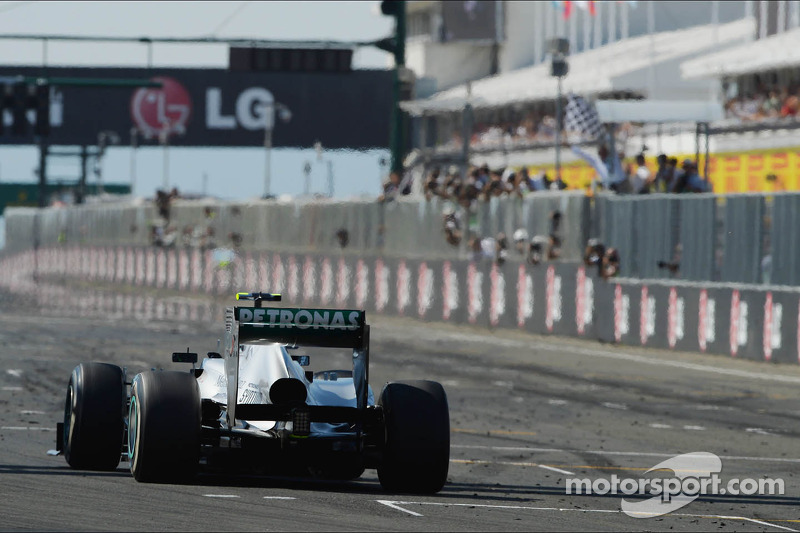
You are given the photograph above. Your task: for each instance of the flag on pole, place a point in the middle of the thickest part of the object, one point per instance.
(567, 8)
(581, 116)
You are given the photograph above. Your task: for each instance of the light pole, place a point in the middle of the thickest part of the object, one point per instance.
(307, 172)
(559, 50)
(163, 137)
(134, 146)
(104, 138)
(285, 115)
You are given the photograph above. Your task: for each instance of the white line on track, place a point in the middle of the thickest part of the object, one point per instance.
(760, 431)
(620, 406)
(608, 452)
(28, 412)
(660, 426)
(557, 402)
(220, 495)
(26, 428)
(396, 505)
(694, 428)
(12, 389)
(554, 469)
(279, 498)
(14, 372)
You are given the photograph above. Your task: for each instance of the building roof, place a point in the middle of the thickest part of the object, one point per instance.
(774, 52)
(619, 66)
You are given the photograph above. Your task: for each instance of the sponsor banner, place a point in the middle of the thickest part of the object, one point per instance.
(383, 279)
(525, 296)
(627, 303)
(779, 336)
(477, 293)
(310, 280)
(425, 289)
(584, 302)
(363, 284)
(344, 278)
(219, 107)
(561, 299)
(453, 296)
(403, 287)
(745, 326)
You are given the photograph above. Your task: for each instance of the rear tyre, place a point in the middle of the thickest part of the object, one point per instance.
(94, 417)
(416, 454)
(164, 427)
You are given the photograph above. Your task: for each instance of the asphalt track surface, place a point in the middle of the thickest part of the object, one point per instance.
(527, 412)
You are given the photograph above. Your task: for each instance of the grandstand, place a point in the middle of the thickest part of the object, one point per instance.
(741, 54)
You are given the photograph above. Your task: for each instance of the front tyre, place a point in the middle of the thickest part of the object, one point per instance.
(416, 454)
(94, 417)
(164, 427)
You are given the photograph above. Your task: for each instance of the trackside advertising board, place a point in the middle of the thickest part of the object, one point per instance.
(218, 107)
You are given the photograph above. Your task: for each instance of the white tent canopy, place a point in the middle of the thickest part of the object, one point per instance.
(775, 52)
(658, 111)
(620, 66)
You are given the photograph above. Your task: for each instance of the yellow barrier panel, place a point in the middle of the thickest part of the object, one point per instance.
(771, 170)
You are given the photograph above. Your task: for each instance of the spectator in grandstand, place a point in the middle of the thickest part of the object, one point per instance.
(536, 250)
(393, 187)
(342, 237)
(610, 265)
(553, 247)
(641, 178)
(481, 249)
(557, 184)
(501, 248)
(495, 187)
(663, 177)
(689, 180)
(771, 106)
(524, 179)
(452, 226)
(790, 107)
(521, 243)
(540, 183)
(593, 255)
(431, 186)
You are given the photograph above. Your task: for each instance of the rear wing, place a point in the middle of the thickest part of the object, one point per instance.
(327, 328)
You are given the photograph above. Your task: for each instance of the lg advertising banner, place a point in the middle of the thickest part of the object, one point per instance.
(217, 107)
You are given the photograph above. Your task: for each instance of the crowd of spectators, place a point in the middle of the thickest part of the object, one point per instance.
(164, 232)
(765, 104)
(481, 183)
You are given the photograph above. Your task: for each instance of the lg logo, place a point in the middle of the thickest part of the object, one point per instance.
(253, 110)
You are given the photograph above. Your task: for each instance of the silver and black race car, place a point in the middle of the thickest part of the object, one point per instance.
(252, 408)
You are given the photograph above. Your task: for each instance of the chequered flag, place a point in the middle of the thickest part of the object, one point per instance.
(581, 116)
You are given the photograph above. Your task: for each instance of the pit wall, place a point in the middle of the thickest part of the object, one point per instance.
(550, 299)
(401, 228)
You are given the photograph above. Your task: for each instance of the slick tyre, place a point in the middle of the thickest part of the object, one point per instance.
(164, 427)
(94, 417)
(416, 454)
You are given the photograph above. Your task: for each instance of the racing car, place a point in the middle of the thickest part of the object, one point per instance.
(254, 408)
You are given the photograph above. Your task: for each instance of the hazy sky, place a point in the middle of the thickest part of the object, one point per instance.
(355, 173)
